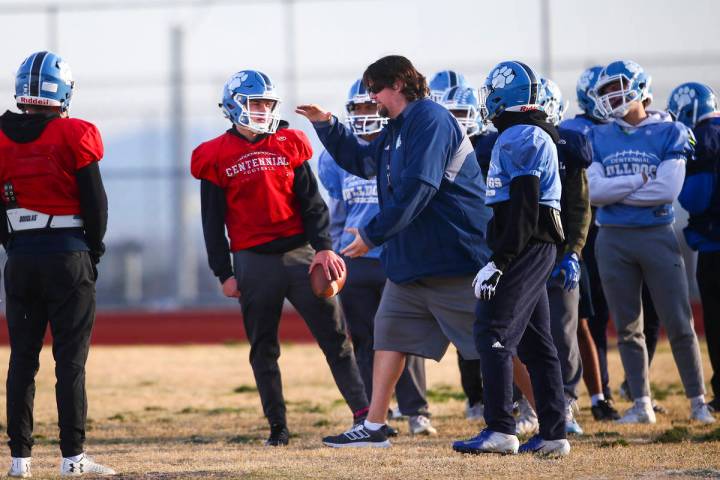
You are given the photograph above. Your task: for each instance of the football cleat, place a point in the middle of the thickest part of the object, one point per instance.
(546, 448)
(640, 412)
(604, 411)
(279, 436)
(701, 413)
(475, 412)
(526, 422)
(488, 442)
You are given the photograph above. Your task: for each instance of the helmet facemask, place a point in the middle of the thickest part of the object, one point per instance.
(364, 123)
(257, 121)
(617, 103)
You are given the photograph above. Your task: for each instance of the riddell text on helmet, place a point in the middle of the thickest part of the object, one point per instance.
(34, 101)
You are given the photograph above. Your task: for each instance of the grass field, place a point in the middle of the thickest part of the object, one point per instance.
(193, 412)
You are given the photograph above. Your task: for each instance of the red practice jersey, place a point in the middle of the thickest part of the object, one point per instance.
(258, 182)
(42, 172)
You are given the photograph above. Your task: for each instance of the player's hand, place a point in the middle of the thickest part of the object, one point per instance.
(486, 281)
(332, 264)
(230, 289)
(357, 247)
(569, 268)
(313, 112)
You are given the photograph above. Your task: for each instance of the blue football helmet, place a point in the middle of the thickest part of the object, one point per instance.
(444, 80)
(510, 87)
(362, 124)
(586, 94)
(464, 104)
(240, 90)
(692, 102)
(552, 101)
(634, 86)
(44, 79)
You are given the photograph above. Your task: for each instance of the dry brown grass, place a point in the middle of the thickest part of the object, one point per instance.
(191, 412)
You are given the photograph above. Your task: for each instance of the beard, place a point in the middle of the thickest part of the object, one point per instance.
(383, 111)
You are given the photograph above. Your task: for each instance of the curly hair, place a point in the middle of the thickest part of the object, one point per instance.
(392, 68)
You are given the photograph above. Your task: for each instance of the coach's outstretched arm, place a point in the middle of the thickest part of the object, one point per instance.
(341, 143)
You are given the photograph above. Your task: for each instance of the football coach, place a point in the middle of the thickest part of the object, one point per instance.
(431, 224)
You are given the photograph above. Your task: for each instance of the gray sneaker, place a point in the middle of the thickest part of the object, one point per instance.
(475, 412)
(68, 468)
(420, 425)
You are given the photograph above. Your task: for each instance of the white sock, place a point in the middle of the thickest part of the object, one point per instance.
(643, 401)
(76, 458)
(373, 426)
(598, 397)
(695, 402)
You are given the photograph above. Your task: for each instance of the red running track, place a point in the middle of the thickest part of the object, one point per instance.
(133, 327)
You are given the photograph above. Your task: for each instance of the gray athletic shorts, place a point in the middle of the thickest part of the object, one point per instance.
(423, 317)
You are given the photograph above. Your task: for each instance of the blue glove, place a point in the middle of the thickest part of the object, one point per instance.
(569, 268)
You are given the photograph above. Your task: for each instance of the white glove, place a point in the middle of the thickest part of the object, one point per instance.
(486, 281)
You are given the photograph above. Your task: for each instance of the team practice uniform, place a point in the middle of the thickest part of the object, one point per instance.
(636, 241)
(52, 223)
(266, 195)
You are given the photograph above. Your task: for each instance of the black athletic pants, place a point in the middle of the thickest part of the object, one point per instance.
(708, 278)
(516, 320)
(59, 289)
(264, 281)
(360, 299)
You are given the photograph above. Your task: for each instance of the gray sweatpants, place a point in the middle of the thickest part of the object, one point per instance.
(563, 327)
(626, 258)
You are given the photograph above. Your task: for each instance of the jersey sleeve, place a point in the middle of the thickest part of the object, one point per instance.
(577, 150)
(202, 164)
(302, 149)
(87, 144)
(680, 143)
(530, 155)
(329, 174)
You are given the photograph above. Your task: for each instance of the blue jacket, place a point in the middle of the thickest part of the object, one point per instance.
(432, 218)
(700, 194)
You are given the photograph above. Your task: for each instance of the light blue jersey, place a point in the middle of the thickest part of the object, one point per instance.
(354, 202)
(628, 151)
(524, 150)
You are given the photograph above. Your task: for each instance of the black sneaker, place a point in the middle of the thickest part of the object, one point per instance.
(604, 411)
(389, 431)
(657, 408)
(358, 436)
(279, 436)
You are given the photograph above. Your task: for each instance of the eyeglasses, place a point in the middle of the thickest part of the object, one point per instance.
(376, 88)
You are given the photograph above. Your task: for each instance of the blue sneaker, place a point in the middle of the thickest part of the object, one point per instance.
(488, 442)
(548, 448)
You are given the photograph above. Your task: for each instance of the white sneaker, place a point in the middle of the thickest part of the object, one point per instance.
(640, 412)
(20, 467)
(68, 468)
(394, 413)
(526, 423)
(488, 442)
(702, 414)
(420, 425)
(475, 412)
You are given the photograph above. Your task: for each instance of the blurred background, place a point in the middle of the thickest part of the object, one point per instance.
(149, 75)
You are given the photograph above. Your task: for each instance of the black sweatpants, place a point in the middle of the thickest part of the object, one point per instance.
(360, 299)
(264, 281)
(708, 278)
(517, 320)
(55, 288)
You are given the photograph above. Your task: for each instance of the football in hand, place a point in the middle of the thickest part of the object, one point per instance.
(324, 288)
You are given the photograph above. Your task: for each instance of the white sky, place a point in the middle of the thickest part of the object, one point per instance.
(121, 60)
